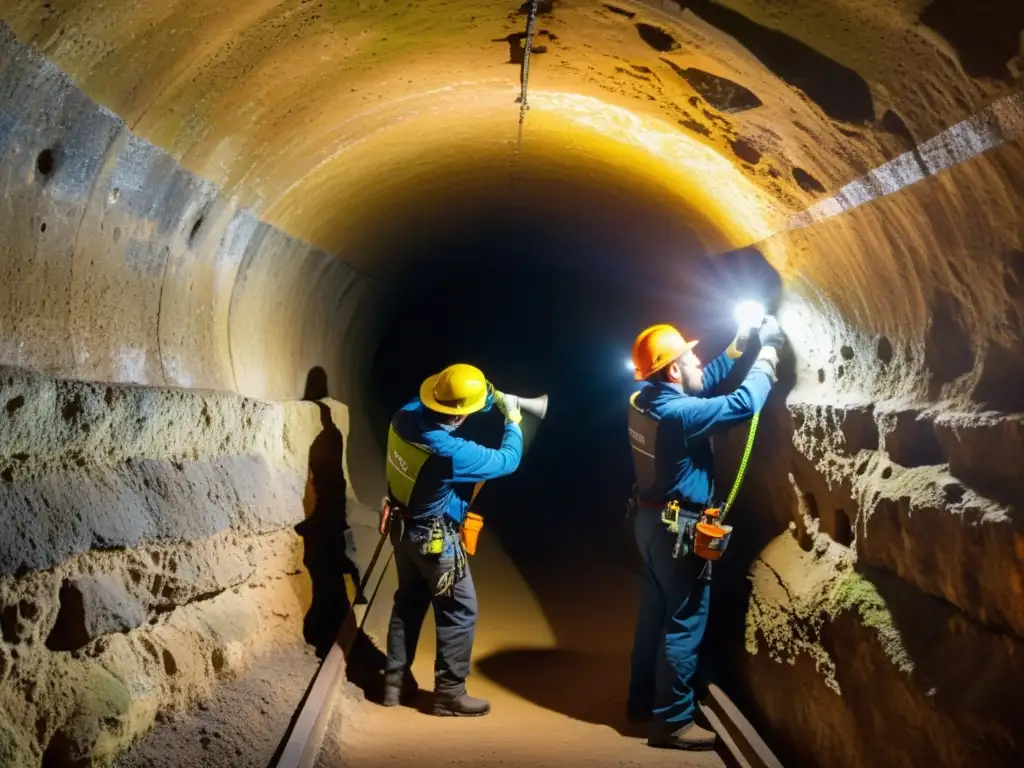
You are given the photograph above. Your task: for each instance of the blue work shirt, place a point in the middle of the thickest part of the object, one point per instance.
(683, 454)
(453, 461)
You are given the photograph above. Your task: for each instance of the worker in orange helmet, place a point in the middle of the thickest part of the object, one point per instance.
(671, 422)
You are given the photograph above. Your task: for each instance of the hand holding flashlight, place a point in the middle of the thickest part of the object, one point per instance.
(749, 315)
(770, 333)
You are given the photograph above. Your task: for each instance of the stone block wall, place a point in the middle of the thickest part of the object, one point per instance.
(148, 551)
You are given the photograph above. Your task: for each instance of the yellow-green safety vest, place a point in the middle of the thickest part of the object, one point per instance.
(405, 460)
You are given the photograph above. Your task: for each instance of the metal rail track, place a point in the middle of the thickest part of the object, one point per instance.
(743, 746)
(304, 736)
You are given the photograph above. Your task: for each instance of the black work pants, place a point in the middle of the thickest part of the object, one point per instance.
(454, 615)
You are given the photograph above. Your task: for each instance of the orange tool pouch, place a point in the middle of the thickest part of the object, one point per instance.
(469, 531)
(385, 516)
(710, 538)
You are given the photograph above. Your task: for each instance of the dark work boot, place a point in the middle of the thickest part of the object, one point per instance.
(690, 737)
(460, 705)
(399, 688)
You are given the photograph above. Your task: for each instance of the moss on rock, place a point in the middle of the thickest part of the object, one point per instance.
(853, 592)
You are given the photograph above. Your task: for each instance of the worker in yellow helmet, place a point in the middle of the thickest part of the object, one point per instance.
(671, 421)
(424, 462)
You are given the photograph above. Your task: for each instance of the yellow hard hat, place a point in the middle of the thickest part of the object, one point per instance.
(658, 347)
(458, 389)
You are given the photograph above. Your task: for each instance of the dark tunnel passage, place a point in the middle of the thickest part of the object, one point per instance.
(235, 237)
(543, 306)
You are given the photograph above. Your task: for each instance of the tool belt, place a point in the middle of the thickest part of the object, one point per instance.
(441, 531)
(391, 511)
(695, 528)
(682, 523)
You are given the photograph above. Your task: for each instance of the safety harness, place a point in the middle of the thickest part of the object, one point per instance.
(405, 461)
(702, 531)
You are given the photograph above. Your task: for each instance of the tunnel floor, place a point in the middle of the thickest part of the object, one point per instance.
(240, 725)
(546, 655)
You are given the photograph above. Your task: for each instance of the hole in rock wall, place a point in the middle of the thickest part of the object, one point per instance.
(913, 442)
(696, 127)
(620, 11)
(884, 350)
(170, 665)
(894, 124)
(999, 386)
(46, 161)
(807, 182)
(745, 151)
(842, 530)
(860, 430)
(953, 493)
(720, 92)
(196, 228)
(61, 752)
(657, 38)
(9, 624)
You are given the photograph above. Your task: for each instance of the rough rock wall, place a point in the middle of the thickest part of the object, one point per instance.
(884, 624)
(119, 265)
(147, 547)
(147, 553)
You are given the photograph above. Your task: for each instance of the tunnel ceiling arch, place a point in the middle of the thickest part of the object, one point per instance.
(273, 100)
(195, 197)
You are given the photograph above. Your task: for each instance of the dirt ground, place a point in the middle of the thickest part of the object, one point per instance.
(554, 669)
(240, 726)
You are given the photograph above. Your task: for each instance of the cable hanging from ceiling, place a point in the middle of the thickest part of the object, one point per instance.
(517, 211)
(531, 22)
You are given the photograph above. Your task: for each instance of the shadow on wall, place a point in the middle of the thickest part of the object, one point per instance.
(968, 674)
(325, 531)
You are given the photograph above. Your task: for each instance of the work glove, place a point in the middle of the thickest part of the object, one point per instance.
(767, 361)
(770, 333)
(739, 344)
(508, 406)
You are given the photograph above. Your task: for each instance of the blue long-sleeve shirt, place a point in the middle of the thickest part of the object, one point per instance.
(453, 460)
(683, 455)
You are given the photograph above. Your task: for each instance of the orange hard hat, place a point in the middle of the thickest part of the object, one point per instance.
(658, 347)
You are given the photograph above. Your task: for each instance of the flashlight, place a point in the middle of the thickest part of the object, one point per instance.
(749, 314)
